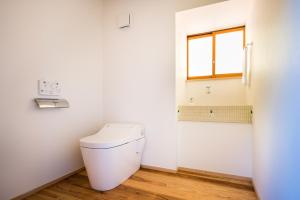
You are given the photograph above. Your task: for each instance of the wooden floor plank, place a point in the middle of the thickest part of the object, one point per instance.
(235, 181)
(185, 188)
(146, 185)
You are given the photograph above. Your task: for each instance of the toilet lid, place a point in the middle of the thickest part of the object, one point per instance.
(113, 135)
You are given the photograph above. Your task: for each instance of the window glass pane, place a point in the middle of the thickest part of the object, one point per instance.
(200, 57)
(229, 52)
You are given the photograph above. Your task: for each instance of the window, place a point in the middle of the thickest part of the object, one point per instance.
(218, 54)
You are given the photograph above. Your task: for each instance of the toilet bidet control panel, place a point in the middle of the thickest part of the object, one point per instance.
(49, 88)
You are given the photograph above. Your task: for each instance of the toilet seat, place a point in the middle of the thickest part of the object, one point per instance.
(113, 135)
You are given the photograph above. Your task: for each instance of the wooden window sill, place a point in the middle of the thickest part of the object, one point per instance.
(212, 79)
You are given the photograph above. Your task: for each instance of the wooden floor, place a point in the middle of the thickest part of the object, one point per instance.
(149, 184)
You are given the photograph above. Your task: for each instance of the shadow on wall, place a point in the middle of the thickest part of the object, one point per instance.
(277, 109)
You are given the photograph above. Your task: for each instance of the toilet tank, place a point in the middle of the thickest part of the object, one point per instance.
(131, 130)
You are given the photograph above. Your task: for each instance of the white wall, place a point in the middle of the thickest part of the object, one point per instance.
(275, 93)
(201, 20)
(216, 147)
(55, 40)
(140, 72)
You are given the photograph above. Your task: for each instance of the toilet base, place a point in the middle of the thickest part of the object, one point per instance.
(108, 168)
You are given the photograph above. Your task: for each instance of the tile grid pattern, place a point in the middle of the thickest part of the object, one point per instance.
(232, 114)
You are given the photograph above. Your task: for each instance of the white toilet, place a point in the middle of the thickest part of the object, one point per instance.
(113, 154)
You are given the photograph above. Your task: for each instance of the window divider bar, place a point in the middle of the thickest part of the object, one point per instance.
(213, 55)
